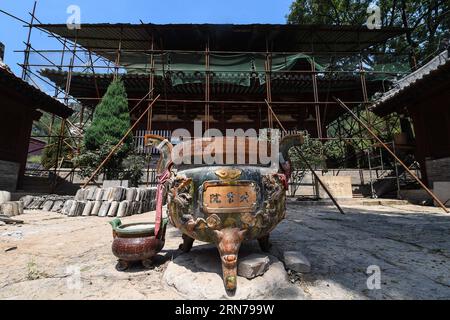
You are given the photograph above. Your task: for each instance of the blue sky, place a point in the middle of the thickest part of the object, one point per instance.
(13, 34)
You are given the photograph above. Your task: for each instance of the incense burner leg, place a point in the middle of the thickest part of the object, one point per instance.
(122, 265)
(264, 243)
(148, 263)
(228, 242)
(186, 246)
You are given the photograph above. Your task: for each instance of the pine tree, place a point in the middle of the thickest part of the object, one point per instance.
(111, 119)
(110, 123)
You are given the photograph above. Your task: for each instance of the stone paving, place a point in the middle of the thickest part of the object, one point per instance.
(410, 244)
(52, 256)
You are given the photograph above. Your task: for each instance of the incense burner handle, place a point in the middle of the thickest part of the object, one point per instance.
(165, 148)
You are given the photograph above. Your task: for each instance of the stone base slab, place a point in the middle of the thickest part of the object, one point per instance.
(198, 275)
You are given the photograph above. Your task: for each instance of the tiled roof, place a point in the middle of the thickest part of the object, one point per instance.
(35, 97)
(437, 68)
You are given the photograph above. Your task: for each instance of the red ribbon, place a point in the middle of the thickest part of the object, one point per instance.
(162, 178)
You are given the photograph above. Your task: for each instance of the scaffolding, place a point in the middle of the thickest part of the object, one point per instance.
(62, 68)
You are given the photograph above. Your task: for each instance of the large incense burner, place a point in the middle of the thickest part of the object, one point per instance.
(224, 204)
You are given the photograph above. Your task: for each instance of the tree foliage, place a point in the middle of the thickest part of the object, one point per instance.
(428, 21)
(130, 167)
(312, 150)
(49, 158)
(110, 123)
(111, 119)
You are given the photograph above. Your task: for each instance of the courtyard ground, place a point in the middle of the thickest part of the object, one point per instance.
(42, 258)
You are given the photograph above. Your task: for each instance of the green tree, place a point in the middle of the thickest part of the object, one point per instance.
(50, 152)
(110, 123)
(312, 150)
(111, 119)
(428, 21)
(50, 159)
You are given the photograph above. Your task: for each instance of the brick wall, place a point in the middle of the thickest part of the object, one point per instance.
(438, 170)
(9, 173)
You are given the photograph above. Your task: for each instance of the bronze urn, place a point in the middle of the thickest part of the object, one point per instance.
(224, 204)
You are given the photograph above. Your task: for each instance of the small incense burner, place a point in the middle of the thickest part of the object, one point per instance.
(136, 242)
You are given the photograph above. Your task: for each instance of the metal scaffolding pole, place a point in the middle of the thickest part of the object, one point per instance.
(150, 111)
(151, 87)
(207, 85)
(316, 98)
(268, 69)
(57, 91)
(63, 121)
(299, 152)
(119, 51)
(28, 46)
(430, 193)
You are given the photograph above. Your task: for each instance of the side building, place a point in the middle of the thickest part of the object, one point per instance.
(20, 105)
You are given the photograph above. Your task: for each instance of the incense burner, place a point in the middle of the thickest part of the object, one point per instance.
(225, 204)
(136, 242)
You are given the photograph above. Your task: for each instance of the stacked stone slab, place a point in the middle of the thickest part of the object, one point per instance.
(10, 208)
(94, 201)
(52, 202)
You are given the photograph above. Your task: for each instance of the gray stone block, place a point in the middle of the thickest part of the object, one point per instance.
(115, 183)
(57, 206)
(130, 194)
(103, 212)
(146, 206)
(133, 208)
(79, 196)
(153, 205)
(138, 194)
(98, 194)
(36, 204)
(442, 191)
(96, 208)
(67, 206)
(106, 194)
(112, 212)
(27, 200)
(10, 208)
(88, 208)
(296, 261)
(122, 211)
(21, 206)
(5, 196)
(47, 205)
(76, 209)
(91, 193)
(144, 194)
(73, 208)
(117, 194)
(253, 266)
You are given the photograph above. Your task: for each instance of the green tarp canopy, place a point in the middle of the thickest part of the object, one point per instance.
(238, 69)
